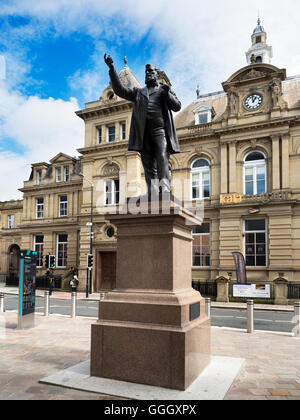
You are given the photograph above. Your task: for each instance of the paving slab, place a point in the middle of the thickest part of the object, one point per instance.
(271, 369)
(212, 384)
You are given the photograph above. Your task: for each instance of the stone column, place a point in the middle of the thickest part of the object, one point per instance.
(232, 167)
(285, 152)
(275, 163)
(222, 289)
(281, 291)
(224, 169)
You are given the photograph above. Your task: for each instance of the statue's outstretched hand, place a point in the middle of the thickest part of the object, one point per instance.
(108, 60)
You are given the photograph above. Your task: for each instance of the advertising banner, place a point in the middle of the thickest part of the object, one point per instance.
(240, 266)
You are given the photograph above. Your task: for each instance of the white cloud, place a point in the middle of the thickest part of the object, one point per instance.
(206, 43)
(43, 127)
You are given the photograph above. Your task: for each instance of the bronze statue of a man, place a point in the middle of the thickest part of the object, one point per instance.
(152, 131)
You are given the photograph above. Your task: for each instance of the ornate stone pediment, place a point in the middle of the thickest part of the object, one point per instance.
(252, 74)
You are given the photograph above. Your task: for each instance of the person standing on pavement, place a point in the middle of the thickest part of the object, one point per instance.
(74, 282)
(51, 282)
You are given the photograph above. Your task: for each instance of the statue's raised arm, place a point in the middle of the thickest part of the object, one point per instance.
(119, 89)
(108, 61)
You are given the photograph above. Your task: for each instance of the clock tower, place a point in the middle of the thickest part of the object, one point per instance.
(255, 89)
(259, 52)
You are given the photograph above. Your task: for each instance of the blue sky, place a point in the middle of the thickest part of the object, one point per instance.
(54, 61)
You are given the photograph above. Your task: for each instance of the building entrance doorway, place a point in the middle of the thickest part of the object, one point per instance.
(106, 270)
(12, 278)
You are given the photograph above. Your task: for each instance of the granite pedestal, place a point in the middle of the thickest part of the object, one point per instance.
(152, 328)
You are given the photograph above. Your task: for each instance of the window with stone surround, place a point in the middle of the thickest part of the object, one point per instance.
(200, 179)
(11, 221)
(63, 206)
(62, 250)
(255, 237)
(39, 248)
(201, 245)
(39, 208)
(255, 173)
(112, 192)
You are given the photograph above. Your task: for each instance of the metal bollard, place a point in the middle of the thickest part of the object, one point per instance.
(46, 303)
(297, 319)
(250, 317)
(73, 304)
(207, 306)
(2, 302)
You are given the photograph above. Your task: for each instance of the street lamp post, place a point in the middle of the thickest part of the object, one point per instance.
(89, 273)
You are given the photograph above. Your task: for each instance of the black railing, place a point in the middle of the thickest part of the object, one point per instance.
(207, 289)
(12, 280)
(42, 282)
(293, 291)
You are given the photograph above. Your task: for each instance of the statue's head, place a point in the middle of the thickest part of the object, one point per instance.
(152, 75)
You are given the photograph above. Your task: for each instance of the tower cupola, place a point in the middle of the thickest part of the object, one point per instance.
(259, 52)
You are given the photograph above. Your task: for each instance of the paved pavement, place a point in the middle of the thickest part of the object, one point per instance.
(271, 369)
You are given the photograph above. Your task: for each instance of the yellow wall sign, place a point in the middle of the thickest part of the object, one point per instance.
(231, 198)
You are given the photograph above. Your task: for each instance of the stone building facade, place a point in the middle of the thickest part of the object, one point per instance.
(240, 148)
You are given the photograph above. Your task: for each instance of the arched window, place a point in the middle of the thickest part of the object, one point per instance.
(255, 173)
(200, 179)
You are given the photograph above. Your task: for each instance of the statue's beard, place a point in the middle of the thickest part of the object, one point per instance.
(151, 82)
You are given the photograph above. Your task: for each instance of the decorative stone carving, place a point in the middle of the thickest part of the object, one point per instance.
(233, 102)
(252, 74)
(276, 94)
(111, 170)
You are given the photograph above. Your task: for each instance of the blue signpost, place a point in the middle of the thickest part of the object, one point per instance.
(27, 285)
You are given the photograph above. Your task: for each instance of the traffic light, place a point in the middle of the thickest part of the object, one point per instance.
(47, 261)
(51, 261)
(90, 260)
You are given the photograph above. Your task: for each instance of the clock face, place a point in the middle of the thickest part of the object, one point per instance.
(253, 101)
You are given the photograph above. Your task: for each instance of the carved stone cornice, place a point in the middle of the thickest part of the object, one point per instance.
(103, 110)
(105, 147)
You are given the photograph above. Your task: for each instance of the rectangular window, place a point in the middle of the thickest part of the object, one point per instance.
(123, 131)
(201, 185)
(67, 173)
(201, 246)
(39, 248)
(99, 135)
(203, 118)
(11, 221)
(112, 192)
(39, 177)
(111, 131)
(256, 243)
(39, 208)
(62, 250)
(58, 174)
(255, 179)
(63, 206)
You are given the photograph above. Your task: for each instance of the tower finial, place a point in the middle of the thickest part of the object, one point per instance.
(125, 60)
(198, 92)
